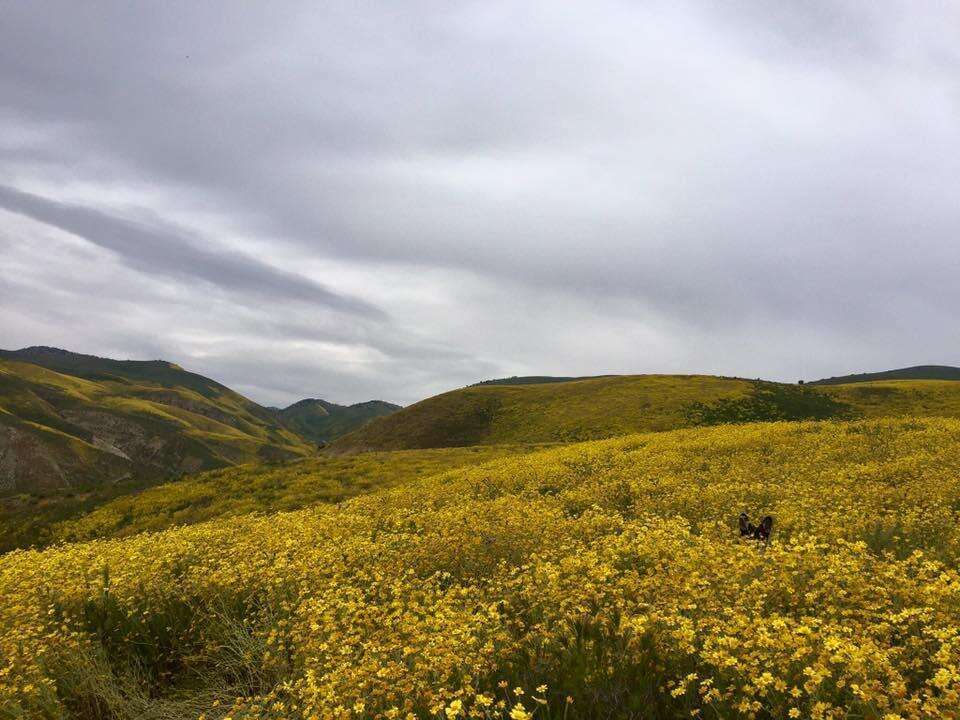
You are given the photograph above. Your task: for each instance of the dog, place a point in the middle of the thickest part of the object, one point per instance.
(759, 532)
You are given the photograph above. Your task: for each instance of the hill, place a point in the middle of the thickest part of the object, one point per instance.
(919, 372)
(77, 421)
(604, 579)
(569, 411)
(320, 421)
(574, 409)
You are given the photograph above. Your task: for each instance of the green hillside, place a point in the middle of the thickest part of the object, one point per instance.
(596, 408)
(568, 411)
(320, 421)
(94, 428)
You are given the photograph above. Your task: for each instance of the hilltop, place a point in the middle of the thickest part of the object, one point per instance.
(535, 379)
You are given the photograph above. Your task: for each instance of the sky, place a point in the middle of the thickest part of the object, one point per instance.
(358, 200)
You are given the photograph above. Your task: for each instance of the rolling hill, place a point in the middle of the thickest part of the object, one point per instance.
(534, 379)
(567, 411)
(898, 398)
(595, 408)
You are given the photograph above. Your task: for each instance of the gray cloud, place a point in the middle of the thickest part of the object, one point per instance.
(163, 251)
(756, 188)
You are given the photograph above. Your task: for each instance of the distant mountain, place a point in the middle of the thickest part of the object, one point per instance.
(79, 422)
(321, 421)
(919, 372)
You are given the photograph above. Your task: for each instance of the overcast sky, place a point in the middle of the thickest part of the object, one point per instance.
(356, 200)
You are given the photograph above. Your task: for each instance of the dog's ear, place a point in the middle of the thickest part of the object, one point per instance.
(767, 525)
(744, 524)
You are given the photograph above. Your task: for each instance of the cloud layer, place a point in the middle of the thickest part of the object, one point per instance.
(374, 199)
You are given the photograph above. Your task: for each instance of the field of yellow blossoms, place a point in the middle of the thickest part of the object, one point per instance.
(599, 580)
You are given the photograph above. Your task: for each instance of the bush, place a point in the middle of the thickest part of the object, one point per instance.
(769, 402)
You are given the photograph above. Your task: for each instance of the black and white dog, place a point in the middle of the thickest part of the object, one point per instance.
(756, 532)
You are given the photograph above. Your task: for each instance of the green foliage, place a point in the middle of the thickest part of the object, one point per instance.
(768, 402)
(26, 519)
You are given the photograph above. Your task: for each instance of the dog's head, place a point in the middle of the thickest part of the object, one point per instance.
(756, 532)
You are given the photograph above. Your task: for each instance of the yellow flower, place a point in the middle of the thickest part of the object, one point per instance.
(517, 712)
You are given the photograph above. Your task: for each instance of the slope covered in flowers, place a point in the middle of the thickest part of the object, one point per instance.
(597, 580)
(230, 492)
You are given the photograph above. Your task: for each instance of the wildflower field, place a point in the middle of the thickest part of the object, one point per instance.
(603, 579)
(263, 488)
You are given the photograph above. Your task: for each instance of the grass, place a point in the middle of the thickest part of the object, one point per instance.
(603, 579)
